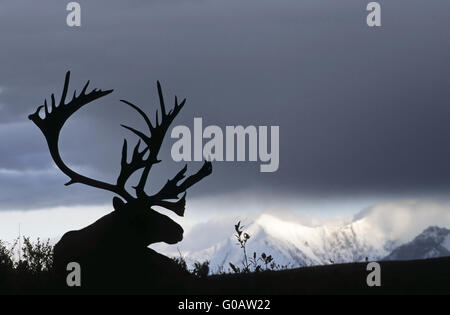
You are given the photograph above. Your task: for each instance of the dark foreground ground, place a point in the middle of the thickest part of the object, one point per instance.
(430, 276)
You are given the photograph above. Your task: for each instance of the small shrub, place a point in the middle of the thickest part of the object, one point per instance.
(6, 255)
(201, 270)
(242, 239)
(38, 256)
(267, 260)
(181, 262)
(26, 269)
(255, 263)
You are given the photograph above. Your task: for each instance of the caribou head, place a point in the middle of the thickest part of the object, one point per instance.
(134, 214)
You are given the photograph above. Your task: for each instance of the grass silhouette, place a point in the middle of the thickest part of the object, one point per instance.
(32, 272)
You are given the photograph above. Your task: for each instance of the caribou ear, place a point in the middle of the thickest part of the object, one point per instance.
(118, 204)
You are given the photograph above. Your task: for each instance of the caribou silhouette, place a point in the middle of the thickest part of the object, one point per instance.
(113, 251)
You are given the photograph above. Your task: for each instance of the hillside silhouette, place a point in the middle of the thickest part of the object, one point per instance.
(35, 275)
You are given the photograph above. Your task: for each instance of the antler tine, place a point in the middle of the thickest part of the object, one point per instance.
(171, 189)
(177, 207)
(161, 99)
(65, 89)
(137, 162)
(141, 112)
(157, 133)
(52, 123)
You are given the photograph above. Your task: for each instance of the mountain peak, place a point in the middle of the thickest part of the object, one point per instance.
(434, 232)
(433, 242)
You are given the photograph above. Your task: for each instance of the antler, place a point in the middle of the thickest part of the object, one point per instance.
(53, 121)
(157, 133)
(171, 190)
(154, 142)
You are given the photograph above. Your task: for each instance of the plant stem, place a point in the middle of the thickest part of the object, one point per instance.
(245, 257)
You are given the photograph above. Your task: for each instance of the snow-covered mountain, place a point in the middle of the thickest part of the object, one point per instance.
(295, 245)
(374, 233)
(431, 243)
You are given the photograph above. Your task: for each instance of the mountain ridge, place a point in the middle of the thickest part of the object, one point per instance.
(294, 244)
(433, 242)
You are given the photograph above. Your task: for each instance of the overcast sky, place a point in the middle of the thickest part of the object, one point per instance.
(363, 113)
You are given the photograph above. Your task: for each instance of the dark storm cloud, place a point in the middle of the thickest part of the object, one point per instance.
(360, 110)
